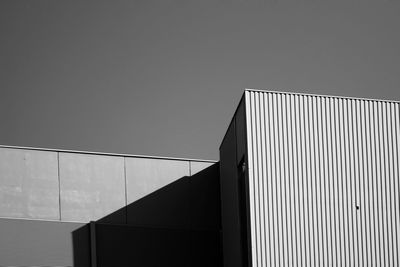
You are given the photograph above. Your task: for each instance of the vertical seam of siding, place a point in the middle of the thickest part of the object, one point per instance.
(397, 131)
(363, 183)
(284, 184)
(252, 253)
(257, 171)
(393, 133)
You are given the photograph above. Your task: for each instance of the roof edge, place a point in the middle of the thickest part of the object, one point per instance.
(105, 154)
(330, 96)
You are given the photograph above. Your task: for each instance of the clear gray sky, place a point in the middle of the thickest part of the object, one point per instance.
(164, 77)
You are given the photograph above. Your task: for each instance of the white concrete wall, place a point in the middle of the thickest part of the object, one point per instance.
(80, 186)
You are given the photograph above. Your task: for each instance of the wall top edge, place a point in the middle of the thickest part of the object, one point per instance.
(106, 154)
(318, 95)
(41, 220)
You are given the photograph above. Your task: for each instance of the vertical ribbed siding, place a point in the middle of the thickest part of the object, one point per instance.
(323, 180)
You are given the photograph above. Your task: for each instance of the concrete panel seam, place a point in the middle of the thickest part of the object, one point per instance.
(126, 193)
(59, 185)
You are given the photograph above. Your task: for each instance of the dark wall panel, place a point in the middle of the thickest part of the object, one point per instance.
(240, 132)
(205, 199)
(189, 202)
(119, 245)
(230, 200)
(36, 243)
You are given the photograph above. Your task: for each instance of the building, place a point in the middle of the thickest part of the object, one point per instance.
(311, 180)
(303, 180)
(70, 208)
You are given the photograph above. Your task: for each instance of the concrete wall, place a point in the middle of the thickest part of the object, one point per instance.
(176, 225)
(91, 186)
(29, 186)
(47, 197)
(80, 186)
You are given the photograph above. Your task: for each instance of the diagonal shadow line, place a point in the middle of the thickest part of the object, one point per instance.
(171, 226)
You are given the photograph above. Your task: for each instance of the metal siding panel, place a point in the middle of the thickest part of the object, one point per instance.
(342, 193)
(268, 197)
(388, 192)
(394, 182)
(390, 185)
(293, 186)
(313, 201)
(305, 179)
(317, 184)
(272, 181)
(29, 185)
(249, 127)
(263, 160)
(350, 207)
(289, 186)
(385, 192)
(325, 191)
(379, 188)
(336, 178)
(315, 160)
(286, 191)
(277, 187)
(330, 190)
(280, 177)
(396, 120)
(310, 173)
(367, 210)
(302, 156)
(355, 169)
(375, 179)
(91, 186)
(258, 167)
(347, 185)
(256, 237)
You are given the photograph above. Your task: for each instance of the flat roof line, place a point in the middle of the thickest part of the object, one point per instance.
(330, 96)
(105, 154)
(42, 220)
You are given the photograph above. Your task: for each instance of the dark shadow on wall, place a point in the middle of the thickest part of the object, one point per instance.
(177, 225)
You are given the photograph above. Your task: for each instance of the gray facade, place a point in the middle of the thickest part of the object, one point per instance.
(77, 186)
(303, 180)
(49, 197)
(321, 181)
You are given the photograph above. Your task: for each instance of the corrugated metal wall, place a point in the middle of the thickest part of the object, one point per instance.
(323, 180)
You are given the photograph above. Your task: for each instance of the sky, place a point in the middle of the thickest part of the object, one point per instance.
(163, 78)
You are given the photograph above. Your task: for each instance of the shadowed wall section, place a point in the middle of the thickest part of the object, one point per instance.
(36, 242)
(177, 225)
(46, 194)
(234, 197)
